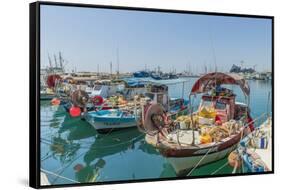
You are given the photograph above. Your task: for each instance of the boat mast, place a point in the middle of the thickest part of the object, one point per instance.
(110, 64)
(117, 60)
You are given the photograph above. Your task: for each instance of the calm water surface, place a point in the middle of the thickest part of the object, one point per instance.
(72, 151)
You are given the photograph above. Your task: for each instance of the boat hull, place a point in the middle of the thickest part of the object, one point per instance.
(183, 159)
(183, 165)
(103, 125)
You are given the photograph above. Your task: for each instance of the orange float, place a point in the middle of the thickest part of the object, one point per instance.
(55, 101)
(75, 111)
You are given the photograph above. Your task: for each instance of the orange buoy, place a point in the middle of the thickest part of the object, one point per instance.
(55, 101)
(75, 111)
(234, 160)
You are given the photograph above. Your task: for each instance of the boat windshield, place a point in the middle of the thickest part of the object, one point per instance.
(207, 103)
(97, 87)
(220, 105)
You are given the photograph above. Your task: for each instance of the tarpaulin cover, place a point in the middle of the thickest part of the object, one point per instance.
(210, 80)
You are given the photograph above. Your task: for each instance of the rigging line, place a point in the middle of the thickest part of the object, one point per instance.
(51, 173)
(200, 161)
(219, 168)
(63, 169)
(46, 157)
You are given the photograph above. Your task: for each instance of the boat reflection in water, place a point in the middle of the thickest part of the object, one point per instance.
(80, 154)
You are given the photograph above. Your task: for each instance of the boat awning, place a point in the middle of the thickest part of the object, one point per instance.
(210, 80)
(132, 83)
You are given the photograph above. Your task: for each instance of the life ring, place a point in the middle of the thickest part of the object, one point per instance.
(97, 100)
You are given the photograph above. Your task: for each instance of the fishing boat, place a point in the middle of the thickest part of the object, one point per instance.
(47, 88)
(255, 149)
(47, 94)
(127, 113)
(106, 120)
(205, 135)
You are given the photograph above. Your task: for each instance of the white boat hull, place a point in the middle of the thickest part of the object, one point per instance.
(182, 165)
(110, 124)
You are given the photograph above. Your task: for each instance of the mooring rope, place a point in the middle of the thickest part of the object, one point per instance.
(219, 168)
(200, 161)
(54, 174)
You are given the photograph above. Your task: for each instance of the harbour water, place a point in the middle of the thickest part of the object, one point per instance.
(72, 151)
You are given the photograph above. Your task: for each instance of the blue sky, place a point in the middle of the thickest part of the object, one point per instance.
(88, 37)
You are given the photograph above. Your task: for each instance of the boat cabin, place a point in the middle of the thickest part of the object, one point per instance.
(224, 106)
(158, 94)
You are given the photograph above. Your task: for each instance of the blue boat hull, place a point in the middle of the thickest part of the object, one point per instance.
(104, 120)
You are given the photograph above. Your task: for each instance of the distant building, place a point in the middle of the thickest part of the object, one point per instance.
(237, 69)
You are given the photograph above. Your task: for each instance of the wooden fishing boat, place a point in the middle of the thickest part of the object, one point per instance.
(127, 113)
(206, 135)
(107, 120)
(255, 150)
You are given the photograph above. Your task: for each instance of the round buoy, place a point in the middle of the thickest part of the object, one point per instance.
(78, 167)
(75, 111)
(234, 159)
(55, 101)
(97, 100)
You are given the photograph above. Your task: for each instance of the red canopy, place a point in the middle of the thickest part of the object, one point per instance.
(51, 80)
(210, 80)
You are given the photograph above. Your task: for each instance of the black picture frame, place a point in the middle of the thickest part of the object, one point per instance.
(34, 94)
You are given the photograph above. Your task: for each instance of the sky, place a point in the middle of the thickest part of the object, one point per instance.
(90, 38)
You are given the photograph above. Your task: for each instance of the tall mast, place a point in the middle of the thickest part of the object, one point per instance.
(117, 57)
(110, 69)
(213, 51)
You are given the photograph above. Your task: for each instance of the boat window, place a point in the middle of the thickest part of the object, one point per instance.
(207, 103)
(149, 95)
(97, 87)
(220, 105)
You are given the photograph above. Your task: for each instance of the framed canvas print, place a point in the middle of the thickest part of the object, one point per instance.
(121, 94)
